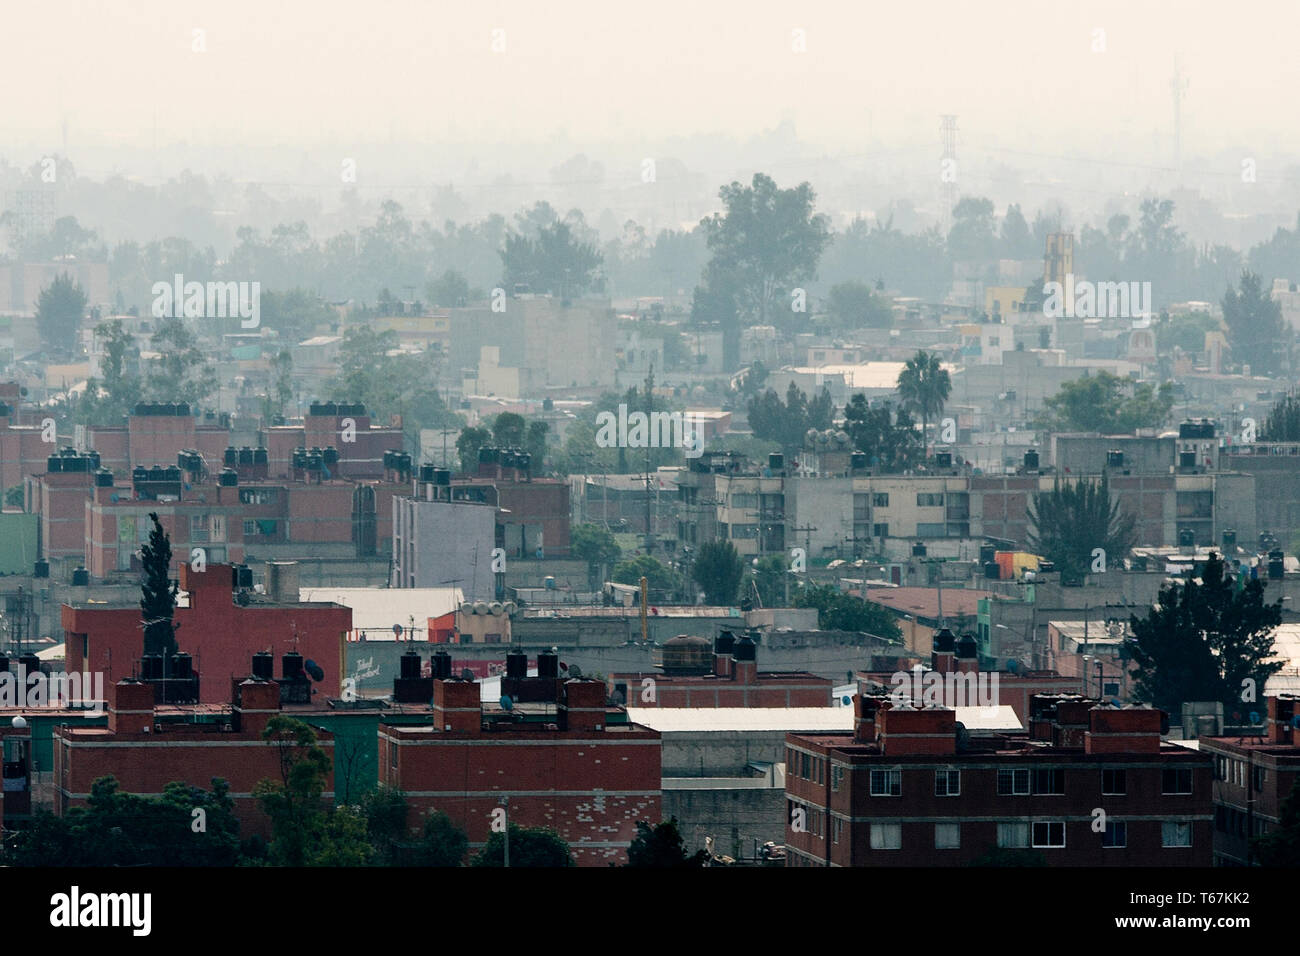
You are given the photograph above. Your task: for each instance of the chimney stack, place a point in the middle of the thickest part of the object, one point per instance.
(944, 650)
(724, 649)
(968, 655)
(456, 706)
(132, 709)
(866, 710)
(746, 662)
(1281, 719)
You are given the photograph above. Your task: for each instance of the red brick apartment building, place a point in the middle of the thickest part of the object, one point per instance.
(910, 788)
(724, 674)
(1252, 777)
(217, 632)
(564, 760)
(147, 748)
(953, 655)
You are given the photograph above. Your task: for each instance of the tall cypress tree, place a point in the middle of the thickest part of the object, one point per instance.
(158, 592)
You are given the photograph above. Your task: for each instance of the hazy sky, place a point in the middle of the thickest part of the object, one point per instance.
(1022, 76)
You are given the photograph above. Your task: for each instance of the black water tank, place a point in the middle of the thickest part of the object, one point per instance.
(442, 477)
(230, 457)
(1031, 460)
(1114, 458)
(330, 456)
(1229, 541)
(54, 464)
(151, 667)
(263, 665)
(746, 649)
(245, 455)
(776, 461)
(182, 666)
(1186, 538)
(918, 550)
(943, 459)
(4, 663)
(441, 665)
(245, 576)
(992, 570)
(228, 478)
(967, 647)
(426, 472)
(410, 665)
(548, 665)
(261, 456)
(291, 665)
(41, 569)
(944, 641)
(516, 665)
(988, 553)
(725, 644)
(1276, 565)
(80, 577)
(1187, 459)
(103, 478)
(858, 459)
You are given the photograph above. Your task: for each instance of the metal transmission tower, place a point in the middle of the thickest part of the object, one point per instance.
(948, 168)
(1178, 85)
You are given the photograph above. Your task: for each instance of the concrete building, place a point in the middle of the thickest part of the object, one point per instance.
(558, 758)
(1252, 778)
(909, 787)
(439, 542)
(725, 674)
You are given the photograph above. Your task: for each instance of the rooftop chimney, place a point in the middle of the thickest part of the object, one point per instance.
(866, 711)
(584, 705)
(746, 662)
(255, 703)
(909, 730)
(456, 706)
(724, 654)
(941, 657)
(1281, 719)
(132, 708)
(1128, 730)
(968, 654)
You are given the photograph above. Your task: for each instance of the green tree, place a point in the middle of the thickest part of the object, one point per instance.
(110, 397)
(185, 826)
(14, 497)
(787, 423)
(596, 546)
(529, 847)
(1283, 421)
(443, 844)
(280, 389)
(1074, 518)
(1204, 639)
(764, 242)
(972, 237)
(471, 441)
(158, 592)
(59, 310)
(837, 611)
(923, 388)
(718, 569)
(552, 260)
(1281, 845)
(659, 577)
(295, 314)
(662, 847)
(449, 291)
(854, 305)
(1256, 332)
(769, 579)
(535, 444)
(180, 372)
(1097, 403)
(887, 436)
(385, 810)
(294, 802)
(508, 430)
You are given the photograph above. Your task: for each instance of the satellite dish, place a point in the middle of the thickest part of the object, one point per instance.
(506, 703)
(1115, 702)
(575, 671)
(466, 674)
(397, 630)
(846, 700)
(114, 497)
(18, 723)
(1254, 716)
(313, 669)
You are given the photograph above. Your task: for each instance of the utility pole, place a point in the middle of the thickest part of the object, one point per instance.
(505, 802)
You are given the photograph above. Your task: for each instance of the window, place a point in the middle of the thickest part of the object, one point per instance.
(1258, 782)
(1013, 782)
(836, 826)
(1176, 781)
(1013, 835)
(1116, 835)
(947, 836)
(880, 499)
(804, 765)
(886, 783)
(861, 511)
(1049, 833)
(257, 496)
(880, 530)
(744, 532)
(1114, 781)
(931, 529)
(837, 774)
(1049, 780)
(1175, 834)
(947, 783)
(927, 500)
(250, 528)
(886, 836)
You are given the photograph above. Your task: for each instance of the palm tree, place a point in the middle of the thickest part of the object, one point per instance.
(923, 387)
